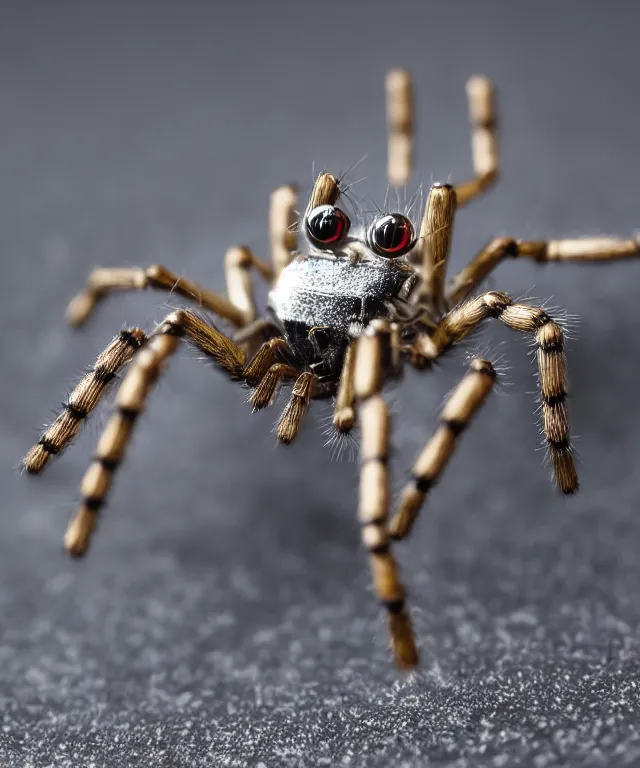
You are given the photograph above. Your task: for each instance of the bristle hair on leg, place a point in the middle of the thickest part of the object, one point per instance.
(84, 398)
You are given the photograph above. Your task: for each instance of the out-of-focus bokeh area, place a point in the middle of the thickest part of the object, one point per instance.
(224, 615)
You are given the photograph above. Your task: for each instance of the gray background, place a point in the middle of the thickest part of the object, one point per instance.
(224, 616)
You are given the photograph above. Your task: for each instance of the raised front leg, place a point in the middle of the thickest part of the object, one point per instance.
(374, 489)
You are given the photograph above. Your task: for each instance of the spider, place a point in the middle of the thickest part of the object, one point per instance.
(350, 305)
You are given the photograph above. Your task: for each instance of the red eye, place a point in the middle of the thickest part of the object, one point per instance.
(327, 224)
(391, 235)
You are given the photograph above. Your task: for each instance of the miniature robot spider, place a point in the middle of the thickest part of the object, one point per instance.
(348, 307)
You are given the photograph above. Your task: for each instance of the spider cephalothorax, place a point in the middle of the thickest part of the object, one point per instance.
(350, 304)
(341, 279)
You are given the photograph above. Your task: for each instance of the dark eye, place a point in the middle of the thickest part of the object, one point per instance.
(391, 235)
(327, 224)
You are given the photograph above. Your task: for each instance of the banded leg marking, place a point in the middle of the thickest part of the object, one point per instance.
(552, 365)
(464, 403)
(374, 492)
(131, 400)
(83, 400)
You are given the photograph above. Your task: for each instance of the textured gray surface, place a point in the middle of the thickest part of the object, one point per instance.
(224, 616)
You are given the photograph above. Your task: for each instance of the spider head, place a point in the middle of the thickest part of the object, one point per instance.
(328, 229)
(352, 268)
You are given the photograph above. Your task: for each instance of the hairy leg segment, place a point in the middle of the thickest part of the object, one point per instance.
(374, 418)
(239, 308)
(256, 354)
(146, 366)
(552, 365)
(574, 249)
(83, 399)
(462, 405)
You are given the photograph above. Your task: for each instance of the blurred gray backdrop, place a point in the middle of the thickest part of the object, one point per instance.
(224, 615)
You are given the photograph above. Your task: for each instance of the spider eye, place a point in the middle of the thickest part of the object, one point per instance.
(327, 224)
(391, 235)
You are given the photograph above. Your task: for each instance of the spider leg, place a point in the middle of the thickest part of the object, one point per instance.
(484, 135)
(267, 374)
(552, 364)
(83, 399)
(374, 489)
(264, 358)
(484, 139)
(282, 226)
(326, 191)
(239, 309)
(574, 249)
(476, 271)
(458, 412)
(266, 388)
(87, 394)
(400, 126)
(262, 328)
(436, 232)
(131, 399)
(295, 409)
(344, 414)
(239, 262)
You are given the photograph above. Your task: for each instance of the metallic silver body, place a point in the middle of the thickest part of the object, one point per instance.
(321, 301)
